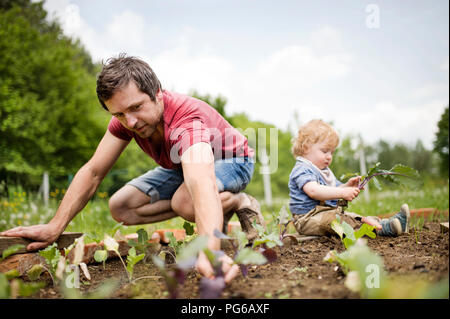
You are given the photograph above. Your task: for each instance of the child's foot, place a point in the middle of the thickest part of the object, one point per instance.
(397, 224)
(403, 216)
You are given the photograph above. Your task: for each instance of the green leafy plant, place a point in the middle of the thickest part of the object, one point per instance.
(177, 245)
(143, 245)
(111, 244)
(54, 260)
(174, 275)
(17, 287)
(348, 235)
(364, 269)
(392, 175)
(273, 235)
(132, 260)
(100, 256)
(244, 256)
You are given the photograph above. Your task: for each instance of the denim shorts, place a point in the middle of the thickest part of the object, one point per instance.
(232, 175)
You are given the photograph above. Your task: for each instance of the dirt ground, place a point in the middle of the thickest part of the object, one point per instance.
(298, 273)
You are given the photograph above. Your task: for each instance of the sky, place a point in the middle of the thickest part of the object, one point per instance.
(379, 69)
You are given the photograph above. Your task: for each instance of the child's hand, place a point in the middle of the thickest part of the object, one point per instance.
(353, 182)
(350, 193)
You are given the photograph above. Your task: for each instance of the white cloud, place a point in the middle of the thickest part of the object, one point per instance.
(183, 69)
(297, 77)
(431, 90)
(391, 122)
(124, 32)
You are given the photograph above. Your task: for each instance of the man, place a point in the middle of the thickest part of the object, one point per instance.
(204, 163)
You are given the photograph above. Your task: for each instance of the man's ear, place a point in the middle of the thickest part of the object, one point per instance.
(159, 95)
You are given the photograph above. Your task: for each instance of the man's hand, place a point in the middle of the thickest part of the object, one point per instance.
(42, 235)
(204, 267)
(350, 193)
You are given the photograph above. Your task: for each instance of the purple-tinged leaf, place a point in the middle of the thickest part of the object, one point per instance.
(244, 270)
(220, 235)
(211, 288)
(269, 253)
(187, 263)
(179, 275)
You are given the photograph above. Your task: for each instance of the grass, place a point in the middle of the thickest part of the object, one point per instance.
(23, 209)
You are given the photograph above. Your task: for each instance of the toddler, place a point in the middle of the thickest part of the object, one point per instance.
(314, 191)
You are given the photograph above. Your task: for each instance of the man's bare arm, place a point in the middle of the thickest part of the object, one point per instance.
(82, 188)
(200, 180)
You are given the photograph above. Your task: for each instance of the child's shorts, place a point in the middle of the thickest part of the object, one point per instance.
(317, 222)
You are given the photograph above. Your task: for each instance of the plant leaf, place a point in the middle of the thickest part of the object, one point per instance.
(13, 273)
(189, 228)
(269, 253)
(11, 250)
(132, 260)
(283, 216)
(248, 256)
(78, 252)
(366, 230)
(34, 272)
(193, 248)
(111, 244)
(100, 255)
(211, 288)
(221, 235)
(241, 238)
(85, 270)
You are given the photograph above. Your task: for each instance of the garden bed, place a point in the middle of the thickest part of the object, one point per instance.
(299, 272)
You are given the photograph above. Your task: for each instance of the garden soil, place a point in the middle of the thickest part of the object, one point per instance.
(298, 273)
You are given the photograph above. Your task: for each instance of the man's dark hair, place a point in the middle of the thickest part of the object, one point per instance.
(118, 72)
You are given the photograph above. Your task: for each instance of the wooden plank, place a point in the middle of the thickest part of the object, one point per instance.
(23, 262)
(65, 240)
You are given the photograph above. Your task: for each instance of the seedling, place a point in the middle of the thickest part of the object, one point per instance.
(273, 235)
(245, 256)
(142, 245)
(391, 175)
(348, 235)
(186, 259)
(178, 245)
(363, 267)
(132, 260)
(56, 262)
(112, 245)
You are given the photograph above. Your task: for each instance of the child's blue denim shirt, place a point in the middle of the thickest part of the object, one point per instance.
(302, 173)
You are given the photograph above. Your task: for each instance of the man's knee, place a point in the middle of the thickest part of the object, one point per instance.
(118, 209)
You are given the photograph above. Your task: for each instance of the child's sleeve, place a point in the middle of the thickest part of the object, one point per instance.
(302, 176)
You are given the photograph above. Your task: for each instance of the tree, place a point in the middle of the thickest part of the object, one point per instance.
(441, 143)
(50, 118)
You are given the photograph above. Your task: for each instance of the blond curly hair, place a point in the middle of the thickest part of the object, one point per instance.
(315, 131)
